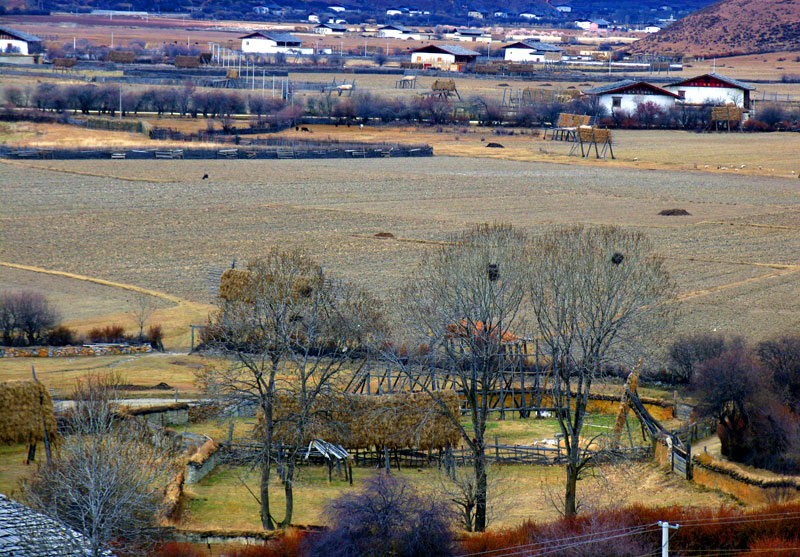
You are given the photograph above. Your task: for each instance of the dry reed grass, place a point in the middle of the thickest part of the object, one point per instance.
(204, 452)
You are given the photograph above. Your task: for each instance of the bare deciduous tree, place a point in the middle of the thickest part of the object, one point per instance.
(459, 303)
(142, 308)
(597, 293)
(108, 476)
(289, 318)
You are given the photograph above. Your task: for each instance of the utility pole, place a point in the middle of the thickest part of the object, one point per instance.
(665, 527)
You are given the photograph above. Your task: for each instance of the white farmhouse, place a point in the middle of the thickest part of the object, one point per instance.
(713, 88)
(564, 9)
(652, 29)
(330, 29)
(394, 32)
(337, 9)
(472, 36)
(584, 24)
(532, 51)
(443, 57)
(271, 43)
(313, 18)
(529, 16)
(394, 11)
(628, 94)
(17, 41)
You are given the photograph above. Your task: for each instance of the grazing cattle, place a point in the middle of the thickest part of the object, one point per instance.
(305, 129)
(205, 176)
(297, 128)
(495, 145)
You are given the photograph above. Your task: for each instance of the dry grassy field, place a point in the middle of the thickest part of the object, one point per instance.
(159, 226)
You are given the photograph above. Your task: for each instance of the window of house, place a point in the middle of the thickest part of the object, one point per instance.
(682, 93)
(616, 102)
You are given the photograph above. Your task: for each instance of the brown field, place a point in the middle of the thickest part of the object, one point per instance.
(158, 226)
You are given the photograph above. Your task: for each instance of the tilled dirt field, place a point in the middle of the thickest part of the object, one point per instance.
(157, 224)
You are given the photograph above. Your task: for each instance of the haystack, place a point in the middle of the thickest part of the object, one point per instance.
(26, 408)
(398, 421)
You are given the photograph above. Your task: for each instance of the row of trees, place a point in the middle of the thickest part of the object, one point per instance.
(595, 295)
(189, 101)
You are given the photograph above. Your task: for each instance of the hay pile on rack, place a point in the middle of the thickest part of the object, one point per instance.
(446, 85)
(27, 407)
(64, 62)
(122, 56)
(187, 61)
(398, 421)
(236, 285)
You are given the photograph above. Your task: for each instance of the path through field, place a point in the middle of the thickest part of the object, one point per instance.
(159, 226)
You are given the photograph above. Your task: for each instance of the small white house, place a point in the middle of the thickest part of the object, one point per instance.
(330, 29)
(564, 9)
(713, 89)
(532, 51)
(313, 18)
(337, 9)
(627, 95)
(584, 24)
(476, 14)
(472, 36)
(394, 11)
(652, 29)
(12, 40)
(443, 57)
(529, 16)
(394, 32)
(271, 43)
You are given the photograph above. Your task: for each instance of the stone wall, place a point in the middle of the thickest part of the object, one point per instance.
(163, 415)
(73, 351)
(729, 478)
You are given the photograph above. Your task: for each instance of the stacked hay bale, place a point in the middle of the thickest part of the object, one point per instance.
(27, 410)
(122, 56)
(397, 421)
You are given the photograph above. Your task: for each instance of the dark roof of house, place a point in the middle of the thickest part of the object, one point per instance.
(722, 78)
(535, 45)
(624, 85)
(21, 35)
(27, 533)
(448, 49)
(398, 27)
(277, 37)
(334, 26)
(601, 22)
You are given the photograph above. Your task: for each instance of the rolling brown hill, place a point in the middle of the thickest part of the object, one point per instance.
(730, 27)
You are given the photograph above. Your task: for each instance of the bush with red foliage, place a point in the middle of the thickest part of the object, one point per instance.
(155, 337)
(634, 531)
(109, 333)
(177, 549)
(290, 544)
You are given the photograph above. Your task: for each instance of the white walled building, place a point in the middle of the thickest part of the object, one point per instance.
(443, 57)
(271, 43)
(396, 32)
(471, 36)
(532, 51)
(712, 89)
(627, 95)
(17, 40)
(330, 29)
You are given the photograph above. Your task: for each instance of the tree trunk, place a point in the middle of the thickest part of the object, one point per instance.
(288, 490)
(570, 497)
(480, 487)
(266, 464)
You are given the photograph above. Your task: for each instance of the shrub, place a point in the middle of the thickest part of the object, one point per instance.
(61, 336)
(109, 333)
(24, 317)
(772, 115)
(386, 517)
(290, 544)
(155, 337)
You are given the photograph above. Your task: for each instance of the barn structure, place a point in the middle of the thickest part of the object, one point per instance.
(443, 57)
(532, 51)
(271, 43)
(12, 40)
(629, 94)
(472, 36)
(713, 88)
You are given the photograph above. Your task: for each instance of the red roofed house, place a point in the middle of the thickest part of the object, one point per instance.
(713, 88)
(443, 57)
(627, 95)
